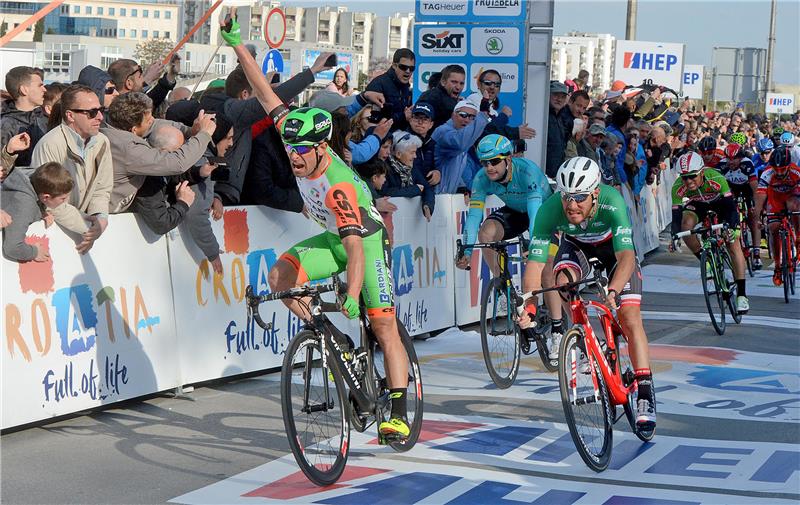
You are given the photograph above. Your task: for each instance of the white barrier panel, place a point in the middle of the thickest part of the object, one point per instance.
(85, 331)
(422, 264)
(215, 336)
(470, 284)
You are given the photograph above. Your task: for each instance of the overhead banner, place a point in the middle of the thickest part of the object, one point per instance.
(344, 60)
(472, 11)
(693, 81)
(781, 103)
(84, 331)
(475, 48)
(661, 62)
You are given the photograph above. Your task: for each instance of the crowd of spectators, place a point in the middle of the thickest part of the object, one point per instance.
(126, 139)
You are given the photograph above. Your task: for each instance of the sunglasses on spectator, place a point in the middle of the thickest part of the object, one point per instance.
(575, 197)
(493, 162)
(90, 113)
(111, 90)
(138, 69)
(466, 115)
(406, 68)
(492, 84)
(689, 177)
(300, 150)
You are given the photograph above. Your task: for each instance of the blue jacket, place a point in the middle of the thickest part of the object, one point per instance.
(623, 177)
(641, 177)
(394, 186)
(452, 154)
(396, 94)
(364, 150)
(425, 160)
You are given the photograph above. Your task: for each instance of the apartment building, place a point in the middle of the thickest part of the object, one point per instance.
(591, 51)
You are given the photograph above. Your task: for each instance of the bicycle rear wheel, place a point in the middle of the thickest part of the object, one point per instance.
(313, 400)
(711, 291)
(586, 406)
(500, 335)
(414, 404)
(732, 290)
(787, 273)
(746, 241)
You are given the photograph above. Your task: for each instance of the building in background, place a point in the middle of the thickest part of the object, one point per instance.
(591, 51)
(390, 34)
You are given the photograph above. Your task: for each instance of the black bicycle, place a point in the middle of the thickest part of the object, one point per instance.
(328, 384)
(502, 340)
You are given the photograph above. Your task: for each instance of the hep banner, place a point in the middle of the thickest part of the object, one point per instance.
(661, 62)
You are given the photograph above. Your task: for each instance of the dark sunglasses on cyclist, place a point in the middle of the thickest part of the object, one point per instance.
(575, 197)
(406, 68)
(466, 115)
(492, 84)
(300, 150)
(90, 113)
(493, 162)
(689, 177)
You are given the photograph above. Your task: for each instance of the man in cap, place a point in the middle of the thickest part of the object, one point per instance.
(421, 125)
(557, 135)
(453, 140)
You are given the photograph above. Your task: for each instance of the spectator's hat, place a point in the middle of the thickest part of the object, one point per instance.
(617, 86)
(329, 100)
(423, 108)
(469, 102)
(597, 129)
(183, 111)
(610, 95)
(96, 79)
(558, 87)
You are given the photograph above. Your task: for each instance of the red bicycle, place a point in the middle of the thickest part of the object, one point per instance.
(786, 253)
(595, 374)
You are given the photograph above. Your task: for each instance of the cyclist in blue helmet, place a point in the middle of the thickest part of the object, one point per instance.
(523, 187)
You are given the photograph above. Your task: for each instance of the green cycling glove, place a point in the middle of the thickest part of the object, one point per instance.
(351, 306)
(234, 36)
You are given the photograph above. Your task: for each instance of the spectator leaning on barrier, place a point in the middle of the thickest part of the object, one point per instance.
(444, 96)
(395, 86)
(453, 140)
(557, 134)
(23, 113)
(163, 203)
(129, 123)
(80, 147)
(421, 125)
(27, 197)
(403, 178)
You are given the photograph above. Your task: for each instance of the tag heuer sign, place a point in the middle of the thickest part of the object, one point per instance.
(443, 41)
(497, 7)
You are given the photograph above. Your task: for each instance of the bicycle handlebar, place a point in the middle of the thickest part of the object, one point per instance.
(497, 246)
(697, 231)
(254, 301)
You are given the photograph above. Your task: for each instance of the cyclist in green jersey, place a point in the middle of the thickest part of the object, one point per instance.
(354, 240)
(594, 222)
(698, 190)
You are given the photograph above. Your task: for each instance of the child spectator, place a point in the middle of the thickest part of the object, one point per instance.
(27, 200)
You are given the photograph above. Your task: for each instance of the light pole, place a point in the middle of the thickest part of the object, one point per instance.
(771, 45)
(630, 22)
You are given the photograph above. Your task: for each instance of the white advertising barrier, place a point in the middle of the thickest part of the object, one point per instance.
(661, 62)
(422, 264)
(469, 284)
(86, 331)
(216, 337)
(693, 81)
(781, 103)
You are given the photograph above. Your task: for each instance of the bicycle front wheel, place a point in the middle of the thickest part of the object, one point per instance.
(500, 335)
(787, 269)
(585, 402)
(711, 291)
(730, 289)
(315, 414)
(746, 241)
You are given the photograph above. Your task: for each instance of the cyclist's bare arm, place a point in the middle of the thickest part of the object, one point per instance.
(261, 88)
(354, 247)
(760, 199)
(626, 262)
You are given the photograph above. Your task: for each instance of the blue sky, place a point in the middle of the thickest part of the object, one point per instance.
(701, 25)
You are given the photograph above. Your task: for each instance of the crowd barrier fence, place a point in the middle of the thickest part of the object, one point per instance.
(142, 313)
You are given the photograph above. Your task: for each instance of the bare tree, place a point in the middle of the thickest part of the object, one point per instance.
(152, 50)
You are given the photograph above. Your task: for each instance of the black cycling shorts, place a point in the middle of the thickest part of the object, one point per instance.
(746, 192)
(701, 210)
(575, 254)
(514, 223)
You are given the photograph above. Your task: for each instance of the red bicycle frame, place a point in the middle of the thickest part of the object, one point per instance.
(618, 392)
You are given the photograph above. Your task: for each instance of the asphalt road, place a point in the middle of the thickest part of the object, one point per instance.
(728, 411)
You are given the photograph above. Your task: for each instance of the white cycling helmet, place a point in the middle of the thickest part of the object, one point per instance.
(578, 175)
(690, 163)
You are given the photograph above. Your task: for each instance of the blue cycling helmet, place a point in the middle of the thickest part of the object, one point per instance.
(765, 144)
(494, 146)
(787, 139)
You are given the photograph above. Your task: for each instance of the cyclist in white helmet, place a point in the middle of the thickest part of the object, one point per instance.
(789, 140)
(594, 223)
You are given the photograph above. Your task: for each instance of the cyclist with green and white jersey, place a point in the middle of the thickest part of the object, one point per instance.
(354, 240)
(698, 190)
(594, 223)
(523, 187)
